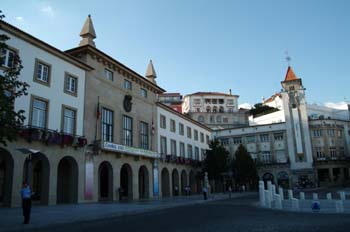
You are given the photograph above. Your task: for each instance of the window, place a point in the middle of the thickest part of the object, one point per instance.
(163, 149)
(221, 101)
(127, 130)
(202, 137)
(182, 149)
(69, 119)
(144, 135)
(214, 101)
(330, 132)
(189, 132)
(201, 118)
(333, 152)
(42, 72)
(278, 136)
(229, 101)
(207, 138)
(215, 109)
(319, 153)
(7, 57)
(162, 121)
(127, 85)
(196, 153)
(70, 84)
(144, 93)
(266, 157)
(107, 125)
(196, 135)
(108, 74)
(225, 119)
(208, 109)
(225, 141)
(173, 147)
(39, 113)
(172, 125)
(189, 151)
(264, 138)
(317, 132)
(250, 139)
(237, 140)
(196, 101)
(340, 133)
(181, 129)
(207, 101)
(218, 119)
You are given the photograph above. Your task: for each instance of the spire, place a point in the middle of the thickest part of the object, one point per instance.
(290, 76)
(151, 73)
(88, 33)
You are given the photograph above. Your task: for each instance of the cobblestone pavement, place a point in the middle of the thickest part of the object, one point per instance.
(42, 216)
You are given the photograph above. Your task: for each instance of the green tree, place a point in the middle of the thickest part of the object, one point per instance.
(260, 109)
(244, 167)
(216, 161)
(10, 89)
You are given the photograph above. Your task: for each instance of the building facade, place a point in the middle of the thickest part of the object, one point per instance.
(215, 110)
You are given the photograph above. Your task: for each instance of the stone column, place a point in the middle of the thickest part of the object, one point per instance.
(267, 198)
(290, 194)
(269, 188)
(280, 192)
(339, 206)
(262, 193)
(302, 196)
(295, 204)
(278, 201)
(342, 196)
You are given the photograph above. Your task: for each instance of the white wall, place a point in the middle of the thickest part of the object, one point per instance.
(55, 94)
(275, 117)
(180, 138)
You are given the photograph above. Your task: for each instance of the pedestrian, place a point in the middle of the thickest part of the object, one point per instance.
(243, 188)
(205, 193)
(176, 189)
(26, 194)
(229, 191)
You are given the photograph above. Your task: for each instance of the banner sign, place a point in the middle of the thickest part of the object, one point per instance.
(129, 150)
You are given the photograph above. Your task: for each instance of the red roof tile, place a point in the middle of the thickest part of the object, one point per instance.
(290, 76)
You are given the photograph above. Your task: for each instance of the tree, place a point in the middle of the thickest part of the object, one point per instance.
(260, 109)
(244, 167)
(10, 89)
(216, 161)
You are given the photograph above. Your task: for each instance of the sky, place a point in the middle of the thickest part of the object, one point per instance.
(209, 45)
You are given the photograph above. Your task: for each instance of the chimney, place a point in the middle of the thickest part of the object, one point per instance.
(230, 92)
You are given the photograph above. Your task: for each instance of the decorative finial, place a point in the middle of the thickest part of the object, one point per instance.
(288, 58)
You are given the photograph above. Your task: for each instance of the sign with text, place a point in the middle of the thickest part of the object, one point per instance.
(129, 150)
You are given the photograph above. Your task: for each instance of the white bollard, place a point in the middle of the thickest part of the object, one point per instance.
(329, 196)
(269, 187)
(280, 192)
(262, 193)
(267, 199)
(302, 196)
(315, 196)
(342, 196)
(290, 194)
(295, 204)
(339, 206)
(278, 201)
(273, 189)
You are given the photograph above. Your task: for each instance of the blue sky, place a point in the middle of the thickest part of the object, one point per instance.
(202, 45)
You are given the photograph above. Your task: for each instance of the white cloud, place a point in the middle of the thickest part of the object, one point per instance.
(19, 19)
(48, 11)
(337, 105)
(247, 106)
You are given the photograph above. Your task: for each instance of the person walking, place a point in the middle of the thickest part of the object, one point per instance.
(26, 194)
(229, 191)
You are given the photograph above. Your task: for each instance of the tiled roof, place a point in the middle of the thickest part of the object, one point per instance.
(290, 75)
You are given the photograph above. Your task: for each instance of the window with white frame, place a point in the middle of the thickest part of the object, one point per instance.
(43, 72)
(107, 125)
(108, 74)
(71, 84)
(333, 152)
(173, 147)
(7, 57)
(224, 141)
(319, 153)
(69, 119)
(317, 132)
(144, 135)
(331, 132)
(127, 131)
(237, 140)
(266, 157)
(278, 136)
(162, 121)
(39, 113)
(181, 129)
(163, 147)
(182, 149)
(189, 151)
(264, 138)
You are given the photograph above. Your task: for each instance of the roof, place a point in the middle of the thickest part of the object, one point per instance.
(212, 94)
(290, 75)
(88, 28)
(270, 99)
(150, 73)
(170, 94)
(42, 45)
(89, 48)
(171, 110)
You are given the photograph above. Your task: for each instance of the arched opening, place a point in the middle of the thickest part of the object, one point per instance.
(208, 109)
(165, 183)
(105, 173)
(267, 177)
(126, 182)
(6, 174)
(221, 109)
(192, 182)
(215, 109)
(143, 183)
(67, 181)
(183, 181)
(283, 179)
(175, 180)
(38, 169)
